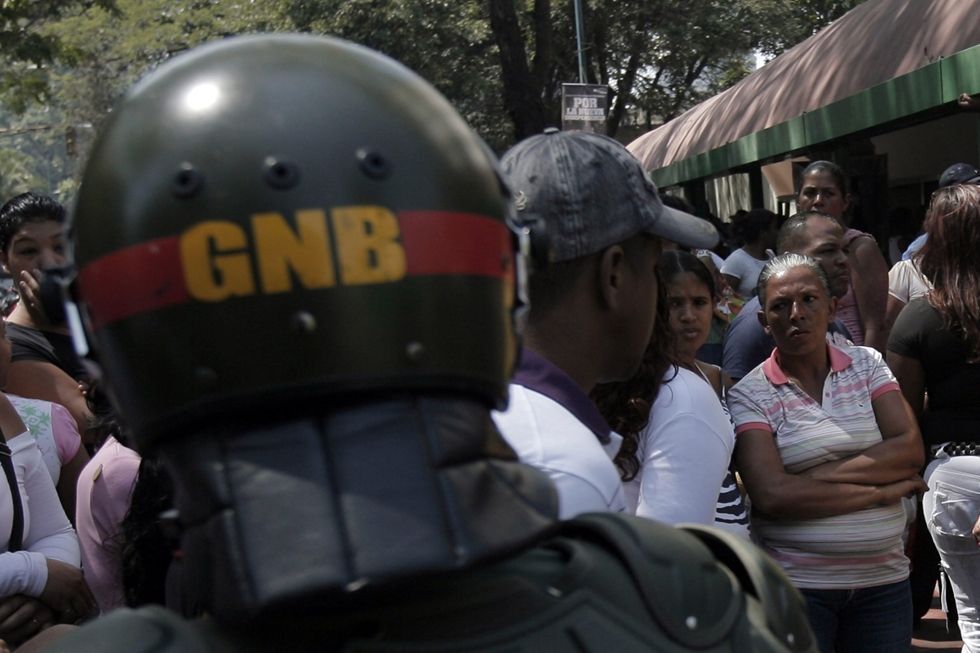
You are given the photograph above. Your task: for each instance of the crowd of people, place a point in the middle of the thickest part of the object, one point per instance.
(823, 434)
(837, 433)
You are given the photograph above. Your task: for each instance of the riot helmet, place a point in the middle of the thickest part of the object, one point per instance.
(290, 215)
(300, 273)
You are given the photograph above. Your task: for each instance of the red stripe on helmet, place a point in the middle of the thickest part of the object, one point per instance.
(135, 280)
(443, 242)
(150, 276)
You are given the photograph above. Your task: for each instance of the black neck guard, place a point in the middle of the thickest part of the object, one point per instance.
(292, 516)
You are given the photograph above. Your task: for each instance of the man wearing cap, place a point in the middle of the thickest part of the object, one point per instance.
(958, 173)
(592, 303)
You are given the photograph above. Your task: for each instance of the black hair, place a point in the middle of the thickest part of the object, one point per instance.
(104, 421)
(147, 551)
(677, 261)
(27, 207)
(678, 203)
(746, 229)
(792, 231)
(832, 169)
(547, 288)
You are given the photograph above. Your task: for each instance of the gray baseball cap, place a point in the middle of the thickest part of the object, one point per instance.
(591, 193)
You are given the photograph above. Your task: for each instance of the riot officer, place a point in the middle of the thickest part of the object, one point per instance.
(303, 275)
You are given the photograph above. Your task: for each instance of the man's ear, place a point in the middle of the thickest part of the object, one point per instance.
(846, 204)
(611, 269)
(762, 320)
(833, 311)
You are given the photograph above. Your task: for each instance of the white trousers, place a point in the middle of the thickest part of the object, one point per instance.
(951, 507)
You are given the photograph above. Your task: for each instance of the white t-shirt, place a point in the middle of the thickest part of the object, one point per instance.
(906, 283)
(746, 269)
(684, 453)
(47, 531)
(717, 260)
(544, 434)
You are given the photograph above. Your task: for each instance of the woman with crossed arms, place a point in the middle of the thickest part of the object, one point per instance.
(827, 447)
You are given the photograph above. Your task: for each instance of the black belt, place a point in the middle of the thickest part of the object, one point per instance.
(953, 449)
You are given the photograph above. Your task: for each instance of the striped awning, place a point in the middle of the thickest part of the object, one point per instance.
(878, 41)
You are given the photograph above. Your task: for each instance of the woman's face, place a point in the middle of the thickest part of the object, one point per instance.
(820, 193)
(35, 246)
(691, 308)
(798, 311)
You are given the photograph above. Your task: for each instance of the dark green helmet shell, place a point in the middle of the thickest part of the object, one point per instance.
(275, 217)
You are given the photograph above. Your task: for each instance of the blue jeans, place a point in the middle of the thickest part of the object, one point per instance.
(867, 620)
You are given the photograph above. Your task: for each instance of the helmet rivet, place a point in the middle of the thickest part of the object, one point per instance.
(414, 351)
(206, 377)
(374, 164)
(790, 639)
(304, 323)
(281, 174)
(187, 182)
(691, 622)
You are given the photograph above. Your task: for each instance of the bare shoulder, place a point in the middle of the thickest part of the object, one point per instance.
(716, 376)
(861, 247)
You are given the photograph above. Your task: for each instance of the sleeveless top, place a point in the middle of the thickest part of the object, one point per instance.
(847, 309)
(53, 428)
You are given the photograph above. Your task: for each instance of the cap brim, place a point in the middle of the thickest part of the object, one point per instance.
(685, 229)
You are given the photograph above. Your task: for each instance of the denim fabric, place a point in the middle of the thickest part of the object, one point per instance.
(866, 620)
(951, 507)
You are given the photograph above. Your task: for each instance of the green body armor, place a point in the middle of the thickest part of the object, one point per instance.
(605, 583)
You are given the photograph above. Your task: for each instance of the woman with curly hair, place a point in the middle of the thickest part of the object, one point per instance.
(677, 437)
(935, 348)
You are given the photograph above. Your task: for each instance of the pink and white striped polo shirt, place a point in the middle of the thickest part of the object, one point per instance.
(858, 549)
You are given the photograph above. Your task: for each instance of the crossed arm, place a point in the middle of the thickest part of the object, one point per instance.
(879, 475)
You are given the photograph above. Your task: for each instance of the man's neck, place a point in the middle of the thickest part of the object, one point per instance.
(571, 358)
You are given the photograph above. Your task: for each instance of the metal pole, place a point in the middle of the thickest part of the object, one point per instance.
(578, 37)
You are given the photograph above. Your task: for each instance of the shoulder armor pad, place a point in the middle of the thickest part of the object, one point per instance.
(693, 599)
(147, 630)
(783, 605)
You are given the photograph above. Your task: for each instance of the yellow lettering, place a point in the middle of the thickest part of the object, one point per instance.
(214, 277)
(279, 248)
(367, 244)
